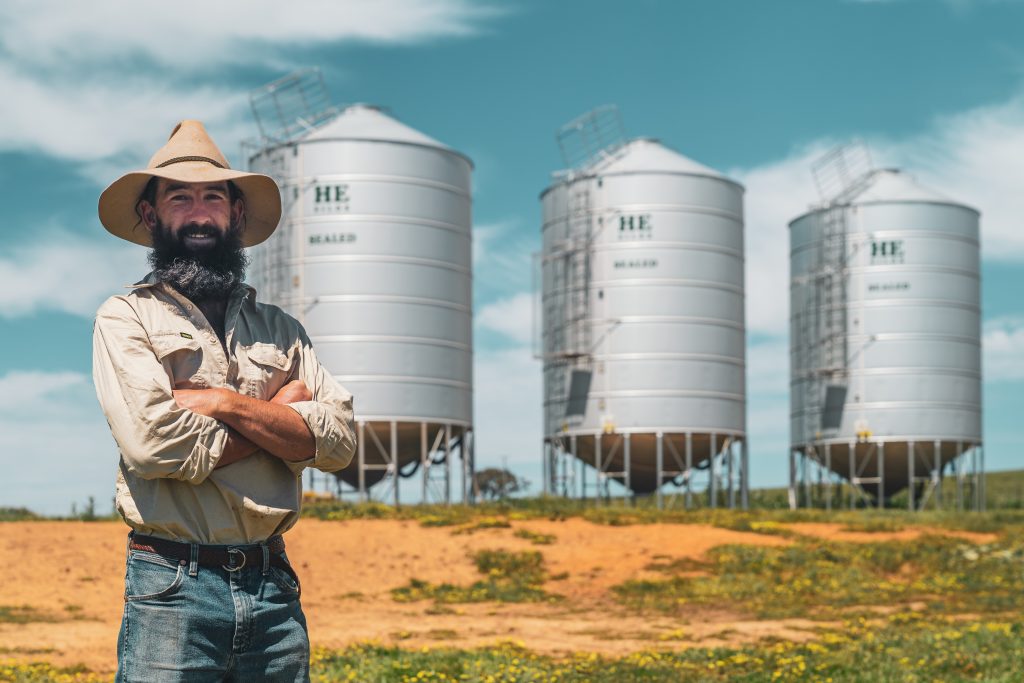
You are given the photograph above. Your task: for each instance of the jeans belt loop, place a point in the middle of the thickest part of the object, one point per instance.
(193, 564)
(266, 558)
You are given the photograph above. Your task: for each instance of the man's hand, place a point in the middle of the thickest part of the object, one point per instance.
(212, 402)
(293, 392)
(269, 425)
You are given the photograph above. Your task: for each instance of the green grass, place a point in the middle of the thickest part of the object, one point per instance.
(8, 514)
(535, 537)
(508, 577)
(22, 614)
(901, 648)
(768, 509)
(904, 648)
(823, 580)
(41, 672)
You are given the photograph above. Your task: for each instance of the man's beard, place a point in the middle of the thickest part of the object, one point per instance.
(200, 275)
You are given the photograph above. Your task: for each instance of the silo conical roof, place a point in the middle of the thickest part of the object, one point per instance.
(649, 155)
(893, 185)
(367, 122)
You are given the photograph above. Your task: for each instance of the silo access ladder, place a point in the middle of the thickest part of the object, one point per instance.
(568, 263)
(824, 316)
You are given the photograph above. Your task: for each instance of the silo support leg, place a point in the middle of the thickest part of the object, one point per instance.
(448, 464)
(744, 477)
(599, 475)
(729, 468)
(805, 478)
(853, 474)
(910, 476)
(881, 474)
(958, 475)
(361, 464)
(466, 474)
(566, 465)
(544, 465)
(659, 466)
(713, 469)
(627, 466)
(981, 478)
(474, 492)
(394, 457)
(424, 462)
(828, 474)
(937, 456)
(689, 470)
(792, 479)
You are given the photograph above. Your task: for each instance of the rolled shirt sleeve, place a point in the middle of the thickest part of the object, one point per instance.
(156, 437)
(329, 415)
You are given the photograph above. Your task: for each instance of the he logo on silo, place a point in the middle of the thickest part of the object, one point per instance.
(330, 198)
(886, 252)
(635, 227)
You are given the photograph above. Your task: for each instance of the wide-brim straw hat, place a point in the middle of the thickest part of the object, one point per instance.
(190, 156)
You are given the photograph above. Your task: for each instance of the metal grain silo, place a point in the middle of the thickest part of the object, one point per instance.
(885, 338)
(642, 318)
(373, 256)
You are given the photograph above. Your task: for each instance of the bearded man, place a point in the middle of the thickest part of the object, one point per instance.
(217, 403)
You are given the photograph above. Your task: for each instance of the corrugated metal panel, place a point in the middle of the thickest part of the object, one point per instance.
(374, 257)
(891, 284)
(658, 316)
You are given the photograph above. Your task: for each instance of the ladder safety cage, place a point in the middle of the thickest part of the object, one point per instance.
(291, 106)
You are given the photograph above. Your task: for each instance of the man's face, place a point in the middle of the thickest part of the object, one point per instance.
(197, 245)
(195, 215)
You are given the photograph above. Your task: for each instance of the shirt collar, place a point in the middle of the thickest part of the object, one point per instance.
(151, 281)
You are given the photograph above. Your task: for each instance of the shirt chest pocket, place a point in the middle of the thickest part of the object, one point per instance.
(181, 357)
(268, 369)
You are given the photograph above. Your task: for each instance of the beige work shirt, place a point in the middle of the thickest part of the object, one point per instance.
(154, 340)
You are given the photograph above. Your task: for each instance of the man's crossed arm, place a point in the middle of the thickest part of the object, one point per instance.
(255, 424)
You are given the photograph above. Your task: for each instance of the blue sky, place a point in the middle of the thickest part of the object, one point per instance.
(753, 88)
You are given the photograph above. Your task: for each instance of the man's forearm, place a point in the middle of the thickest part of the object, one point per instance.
(237, 448)
(275, 428)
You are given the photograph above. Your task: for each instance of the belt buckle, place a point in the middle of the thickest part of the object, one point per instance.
(234, 569)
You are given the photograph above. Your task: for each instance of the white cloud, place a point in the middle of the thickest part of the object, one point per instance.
(973, 158)
(502, 256)
(57, 447)
(776, 194)
(66, 273)
(507, 411)
(195, 33)
(512, 317)
(1003, 349)
(21, 389)
(91, 81)
(86, 121)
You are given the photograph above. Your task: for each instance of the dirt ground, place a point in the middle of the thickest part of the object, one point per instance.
(72, 574)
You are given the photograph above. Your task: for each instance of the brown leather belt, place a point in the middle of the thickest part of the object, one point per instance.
(228, 557)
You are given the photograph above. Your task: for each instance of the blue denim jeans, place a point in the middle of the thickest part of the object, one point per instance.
(185, 622)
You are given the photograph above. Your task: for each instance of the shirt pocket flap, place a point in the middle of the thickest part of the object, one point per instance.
(269, 355)
(166, 343)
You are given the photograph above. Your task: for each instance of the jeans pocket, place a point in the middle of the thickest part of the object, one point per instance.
(152, 577)
(286, 581)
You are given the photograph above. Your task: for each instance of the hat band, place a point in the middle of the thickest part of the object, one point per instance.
(178, 160)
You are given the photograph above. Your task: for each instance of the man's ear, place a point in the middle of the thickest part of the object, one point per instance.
(237, 211)
(148, 213)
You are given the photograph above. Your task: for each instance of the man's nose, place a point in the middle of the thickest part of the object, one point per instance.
(200, 214)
